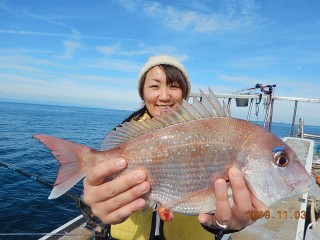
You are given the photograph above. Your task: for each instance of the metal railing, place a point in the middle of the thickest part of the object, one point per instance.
(270, 104)
(300, 132)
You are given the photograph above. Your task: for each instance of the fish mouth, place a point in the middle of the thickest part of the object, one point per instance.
(302, 186)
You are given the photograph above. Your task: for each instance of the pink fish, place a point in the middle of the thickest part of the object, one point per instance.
(183, 152)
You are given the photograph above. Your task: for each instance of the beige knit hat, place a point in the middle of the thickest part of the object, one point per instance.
(168, 60)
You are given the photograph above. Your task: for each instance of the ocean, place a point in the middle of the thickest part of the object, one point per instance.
(24, 204)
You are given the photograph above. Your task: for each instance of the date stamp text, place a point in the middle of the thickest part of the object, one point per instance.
(278, 215)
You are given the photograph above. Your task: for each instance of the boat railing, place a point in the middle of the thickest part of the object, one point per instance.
(300, 133)
(269, 108)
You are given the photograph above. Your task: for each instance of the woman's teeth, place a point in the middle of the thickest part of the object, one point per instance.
(163, 107)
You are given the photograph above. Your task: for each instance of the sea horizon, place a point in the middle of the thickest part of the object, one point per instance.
(62, 104)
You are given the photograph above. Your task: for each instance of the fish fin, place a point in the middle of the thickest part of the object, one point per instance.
(183, 113)
(201, 108)
(204, 200)
(171, 120)
(72, 166)
(191, 110)
(214, 100)
(206, 196)
(149, 204)
(226, 109)
(208, 107)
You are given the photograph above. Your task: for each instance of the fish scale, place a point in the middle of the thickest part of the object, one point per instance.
(181, 173)
(183, 153)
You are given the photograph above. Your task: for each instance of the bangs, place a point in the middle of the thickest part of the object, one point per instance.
(175, 76)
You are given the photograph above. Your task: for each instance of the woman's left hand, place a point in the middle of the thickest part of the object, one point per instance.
(234, 218)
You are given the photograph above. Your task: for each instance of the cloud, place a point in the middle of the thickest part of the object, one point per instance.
(214, 88)
(70, 90)
(27, 64)
(246, 80)
(14, 66)
(233, 15)
(70, 47)
(129, 4)
(33, 33)
(120, 65)
(71, 35)
(144, 49)
(117, 81)
(109, 49)
(16, 11)
(118, 49)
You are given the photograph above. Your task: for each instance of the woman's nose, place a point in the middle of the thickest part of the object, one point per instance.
(165, 94)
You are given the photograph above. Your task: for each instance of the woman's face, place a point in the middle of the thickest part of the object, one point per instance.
(157, 94)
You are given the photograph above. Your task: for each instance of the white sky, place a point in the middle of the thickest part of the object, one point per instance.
(91, 52)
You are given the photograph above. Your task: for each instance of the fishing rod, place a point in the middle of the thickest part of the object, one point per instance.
(34, 177)
(93, 223)
(262, 88)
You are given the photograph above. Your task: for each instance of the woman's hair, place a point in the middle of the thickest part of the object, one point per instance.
(173, 75)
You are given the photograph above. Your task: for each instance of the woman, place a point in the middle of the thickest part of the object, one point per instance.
(163, 82)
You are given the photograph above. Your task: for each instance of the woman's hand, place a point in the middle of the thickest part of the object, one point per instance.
(236, 217)
(113, 202)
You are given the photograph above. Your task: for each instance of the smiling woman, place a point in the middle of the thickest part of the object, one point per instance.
(163, 82)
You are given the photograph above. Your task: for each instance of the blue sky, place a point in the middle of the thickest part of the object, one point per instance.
(91, 52)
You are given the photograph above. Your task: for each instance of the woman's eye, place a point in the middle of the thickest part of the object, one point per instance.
(174, 86)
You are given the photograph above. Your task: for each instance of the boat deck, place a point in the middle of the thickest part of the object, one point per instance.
(286, 218)
(74, 228)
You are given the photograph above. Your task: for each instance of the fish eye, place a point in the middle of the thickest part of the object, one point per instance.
(281, 159)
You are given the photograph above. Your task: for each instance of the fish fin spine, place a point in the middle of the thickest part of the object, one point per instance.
(208, 107)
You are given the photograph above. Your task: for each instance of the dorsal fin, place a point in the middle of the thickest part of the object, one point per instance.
(217, 104)
(208, 107)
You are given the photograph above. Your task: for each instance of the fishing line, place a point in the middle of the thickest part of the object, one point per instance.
(33, 175)
(93, 222)
(69, 195)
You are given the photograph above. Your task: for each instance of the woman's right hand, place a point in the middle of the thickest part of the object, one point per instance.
(114, 201)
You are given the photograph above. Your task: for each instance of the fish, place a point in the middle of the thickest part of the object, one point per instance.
(183, 152)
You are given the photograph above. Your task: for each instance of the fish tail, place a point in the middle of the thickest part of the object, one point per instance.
(70, 155)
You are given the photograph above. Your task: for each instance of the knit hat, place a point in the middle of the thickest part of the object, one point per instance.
(168, 60)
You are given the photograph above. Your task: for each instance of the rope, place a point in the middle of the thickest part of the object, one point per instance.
(271, 107)
(316, 202)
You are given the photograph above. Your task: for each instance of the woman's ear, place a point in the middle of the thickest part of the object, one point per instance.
(143, 103)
